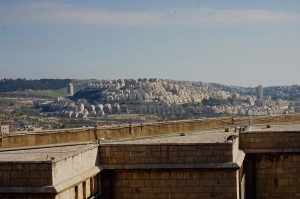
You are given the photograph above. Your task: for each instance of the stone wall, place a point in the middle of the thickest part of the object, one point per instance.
(273, 175)
(24, 196)
(83, 190)
(90, 134)
(170, 183)
(25, 174)
(269, 142)
(166, 155)
(70, 173)
(168, 170)
(272, 164)
(77, 164)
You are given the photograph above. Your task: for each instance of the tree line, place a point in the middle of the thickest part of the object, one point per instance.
(10, 85)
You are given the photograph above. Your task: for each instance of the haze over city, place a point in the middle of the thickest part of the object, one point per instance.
(233, 42)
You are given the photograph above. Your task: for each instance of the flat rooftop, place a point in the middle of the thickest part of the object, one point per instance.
(43, 154)
(206, 136)
(216, 135)
(277, 127)
(190, 137)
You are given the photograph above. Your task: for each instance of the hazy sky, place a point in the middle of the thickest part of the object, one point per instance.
(234, 42)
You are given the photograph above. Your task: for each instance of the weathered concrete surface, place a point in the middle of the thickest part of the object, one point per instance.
(272, 175)
(271, 140)
(197, 149)
(156, 161)
(149, 129)
(198, 164)
(170, 183)
(49, 171)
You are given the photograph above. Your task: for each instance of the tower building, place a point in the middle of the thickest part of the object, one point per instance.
(259, 92)
(70, 89)
(259, 96)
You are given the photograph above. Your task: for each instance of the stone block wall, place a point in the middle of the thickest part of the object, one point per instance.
(24, 196)
(82, 190)
(149, 129)
(25, 174)
(165, 155)
(170, 183)
(69, 174)
(272, 164)
(74, 165)
(272, 141)
(273, 175)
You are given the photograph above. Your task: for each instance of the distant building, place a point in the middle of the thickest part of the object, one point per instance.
(260, 96)
(259, 92)
(235, 95)
(4, 129)
(116, 108)
(70, 89)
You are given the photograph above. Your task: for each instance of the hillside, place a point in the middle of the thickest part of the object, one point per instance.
(11, 85)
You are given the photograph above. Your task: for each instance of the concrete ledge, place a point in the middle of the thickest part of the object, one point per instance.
(239, 159)
(228, 165)
(46, 189)
(77, 179)
(272, 150)
(71, 182)
(147, 129)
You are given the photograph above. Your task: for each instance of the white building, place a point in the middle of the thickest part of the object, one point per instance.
(4, 129)
(70, 89)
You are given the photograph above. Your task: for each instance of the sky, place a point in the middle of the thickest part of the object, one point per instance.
(232, 42)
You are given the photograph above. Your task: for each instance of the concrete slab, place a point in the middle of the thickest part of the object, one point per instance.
(44, 154)
(204, 136)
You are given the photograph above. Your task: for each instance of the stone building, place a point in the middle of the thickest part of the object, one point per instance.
(4, 129)
(178, 159)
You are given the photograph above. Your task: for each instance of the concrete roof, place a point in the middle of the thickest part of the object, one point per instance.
(277, 127)
(191, 137)
(43, 154)
(217, 135)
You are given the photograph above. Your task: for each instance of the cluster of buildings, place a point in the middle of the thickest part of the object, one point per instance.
(166, 91)
(156, 96)
(17, 126)
(258, 105)
(82, 109)
(160, 97)
(159, 108)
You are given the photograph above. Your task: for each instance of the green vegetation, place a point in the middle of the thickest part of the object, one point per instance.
(79, 84)
(10, 85)
(75, 123)
(90, 96)
(212, 102)
(4, 102)
(44, 88)
(26, 111)
(41, 93)
(192, 104)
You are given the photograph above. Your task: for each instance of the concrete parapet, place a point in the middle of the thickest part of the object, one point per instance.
(118, 132)
(171, 155)
(270, 141)
(47, 170)
(155, 154)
